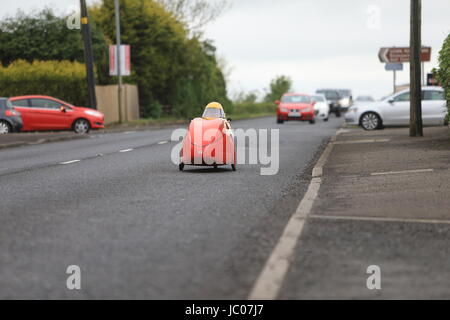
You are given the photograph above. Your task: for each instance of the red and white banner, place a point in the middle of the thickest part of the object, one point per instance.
(125, 60)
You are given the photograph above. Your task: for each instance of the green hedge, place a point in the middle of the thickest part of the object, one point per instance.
(62, 79)
(443, 73)
(252, 108)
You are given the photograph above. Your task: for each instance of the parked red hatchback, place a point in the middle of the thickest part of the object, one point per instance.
(42, 113)
(294, 106)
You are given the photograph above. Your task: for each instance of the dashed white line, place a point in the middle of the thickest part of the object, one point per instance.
(70, 162)
(401, 172)
(163, 142)
(125, 150)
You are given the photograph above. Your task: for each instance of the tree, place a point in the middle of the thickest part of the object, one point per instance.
(44, 36)
(278, 86)
(176, 75)
(195, 14)
(443, 74)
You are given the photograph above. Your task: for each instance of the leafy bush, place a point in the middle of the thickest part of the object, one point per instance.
(253, 108)
(179, 72)
(62, 79)
(443, 73)
(45, 36)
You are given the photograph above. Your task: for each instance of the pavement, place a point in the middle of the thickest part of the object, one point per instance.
(384, 201)
(114, 204)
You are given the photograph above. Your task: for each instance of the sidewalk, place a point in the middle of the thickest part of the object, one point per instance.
(372, 210)
(365, 175)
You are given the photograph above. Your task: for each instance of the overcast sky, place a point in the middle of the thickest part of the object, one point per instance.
(318, 43)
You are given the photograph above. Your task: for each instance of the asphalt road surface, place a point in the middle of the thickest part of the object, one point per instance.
(136, 226)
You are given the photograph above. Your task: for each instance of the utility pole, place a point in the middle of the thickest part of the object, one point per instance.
(88, 55)
(118, 58)
(395, 82)
(416, 126)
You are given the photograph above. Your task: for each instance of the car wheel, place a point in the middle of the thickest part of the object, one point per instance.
(233, 167)
(326, 120)
(338, 112)
(279, 121)
(5, 128)
(370, 121)
(312, 121)
(81, 126)
(181, 166)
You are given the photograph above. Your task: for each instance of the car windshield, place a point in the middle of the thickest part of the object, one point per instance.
(331, 95)
(214, 113)
(296, 99)
(345, 93)
(319, 98)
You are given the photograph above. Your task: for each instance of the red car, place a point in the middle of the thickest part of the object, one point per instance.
(295, 106)
(42, 113)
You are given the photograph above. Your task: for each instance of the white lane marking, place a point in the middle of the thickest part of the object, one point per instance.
(129, 132)
(271, 279)
(362, 141)
(163, 142)
(70, 162)
(401, 172)
(380, 219)
(125, 150)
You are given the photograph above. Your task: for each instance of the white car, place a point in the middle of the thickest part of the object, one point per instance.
(394, 110)
(322, 108)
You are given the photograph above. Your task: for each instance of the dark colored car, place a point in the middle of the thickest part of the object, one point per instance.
(333, 97)
(10, 119)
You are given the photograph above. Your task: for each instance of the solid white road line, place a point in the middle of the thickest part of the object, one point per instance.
(401, 172)
(163, 142)
(70, 162)
(271, 279)
(379, 219)
(125, 150)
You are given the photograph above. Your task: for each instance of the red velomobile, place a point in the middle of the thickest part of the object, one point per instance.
(48, 113)
(209, 141)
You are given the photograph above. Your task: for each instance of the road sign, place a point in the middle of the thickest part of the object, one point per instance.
(125, 60)
(394, 67)
(400, 55)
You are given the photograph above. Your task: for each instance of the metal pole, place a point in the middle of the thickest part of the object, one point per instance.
(119, 69)
(395, 81)
(88, 55)
(416, 126)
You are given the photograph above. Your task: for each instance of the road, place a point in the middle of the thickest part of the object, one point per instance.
(137, 227)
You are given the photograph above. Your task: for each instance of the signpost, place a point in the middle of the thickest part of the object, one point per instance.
(402, 54)
(394, 67)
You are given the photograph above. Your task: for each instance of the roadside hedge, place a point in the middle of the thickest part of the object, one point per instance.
(62, 79)
(443, 74)
(252, 108)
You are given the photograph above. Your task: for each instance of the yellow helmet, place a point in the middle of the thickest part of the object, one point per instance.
(214, 110)
(214, 105)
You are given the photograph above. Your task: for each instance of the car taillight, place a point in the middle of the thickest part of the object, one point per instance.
(11, 113)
